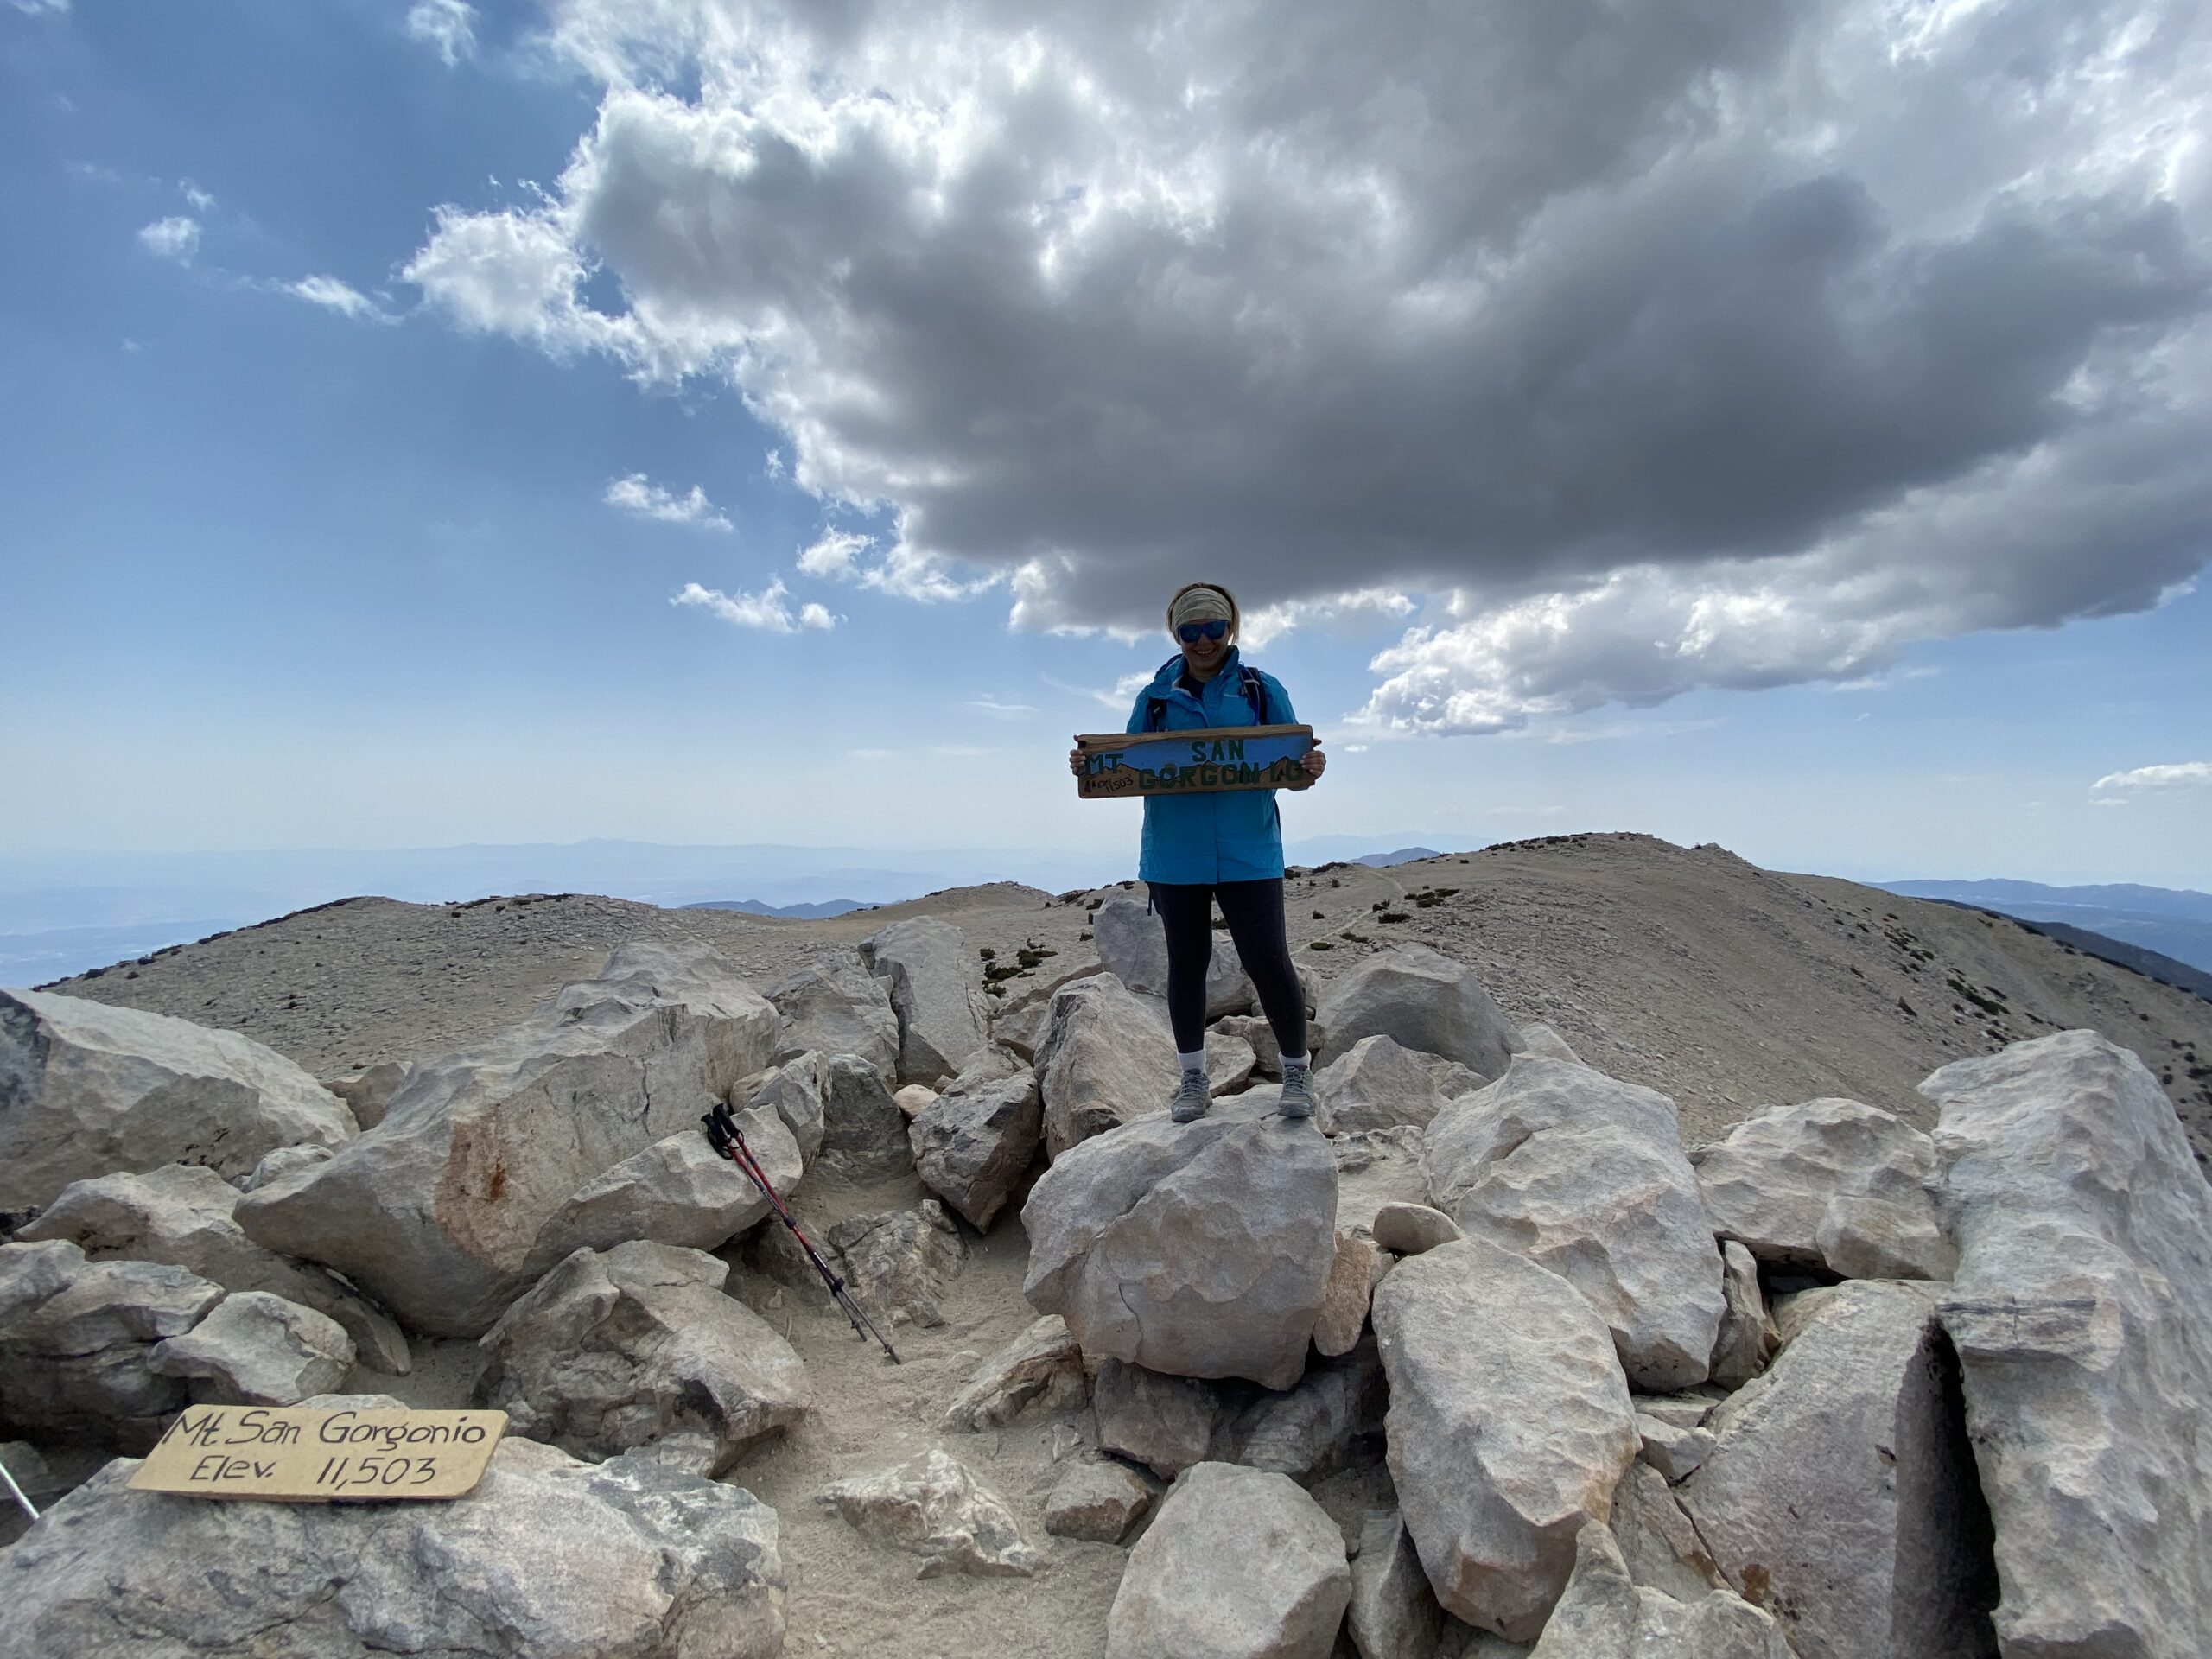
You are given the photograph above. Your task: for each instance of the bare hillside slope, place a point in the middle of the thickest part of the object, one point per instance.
(1722, 984)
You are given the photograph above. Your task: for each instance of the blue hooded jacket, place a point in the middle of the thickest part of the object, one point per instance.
(1223, 836)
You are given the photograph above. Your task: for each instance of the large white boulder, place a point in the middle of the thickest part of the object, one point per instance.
(180, 1216)
(1237, 1564)
(1586, 1175)
(615, 1350)
(1424, 999)
(742, 1026)
(1375, 1084)
(678, 1191)
(86, 1090)
(1828, 1184)
(1201, 1250)
(437, 1209)
(1840, 1492)
(1509, 1426)
(77, 1340)
(936, 992)
(2081, 1311)
(1105, 1061)
(838, 1006)
(1133, 946)
(548, 1558)
(971, 1146)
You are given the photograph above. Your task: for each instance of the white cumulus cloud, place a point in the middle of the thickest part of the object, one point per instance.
(769, 610)
(638, 495)
(1635, 349)
(175, 238)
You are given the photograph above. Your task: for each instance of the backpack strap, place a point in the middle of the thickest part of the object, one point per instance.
(1249, 681)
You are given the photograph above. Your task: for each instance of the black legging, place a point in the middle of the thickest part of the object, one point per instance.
(1253, 912)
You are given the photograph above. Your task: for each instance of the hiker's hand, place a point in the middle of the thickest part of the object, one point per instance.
(1315, 763)
(1075, 761)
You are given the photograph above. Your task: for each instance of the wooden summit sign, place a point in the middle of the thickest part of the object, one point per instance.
(297, 1455)
(1199, 762)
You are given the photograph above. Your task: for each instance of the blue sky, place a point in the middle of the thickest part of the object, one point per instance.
(308, 541)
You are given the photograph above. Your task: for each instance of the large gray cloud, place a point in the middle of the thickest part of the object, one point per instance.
(1640, 348)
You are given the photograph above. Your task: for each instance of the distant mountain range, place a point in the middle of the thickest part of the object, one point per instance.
(2169, 924)
(753, 907)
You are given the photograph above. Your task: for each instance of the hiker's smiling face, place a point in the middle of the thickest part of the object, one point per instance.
(1204, 628)
(1205, 653)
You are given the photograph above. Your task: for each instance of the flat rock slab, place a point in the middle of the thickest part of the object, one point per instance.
(617, 1349)
(1509, 1425)
(1839, 1491)
(933, 1508)
(1586, 1176)
(548, 1558)
(1828, 1184)
(181, 1216)
(1237, 1564)
(2082, 1315)
(258, 1350)
(1199, 1249)
(86, 1090)
(77, 1340)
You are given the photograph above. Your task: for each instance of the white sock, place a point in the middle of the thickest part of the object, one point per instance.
(1289, 1060)
(1194, 1061)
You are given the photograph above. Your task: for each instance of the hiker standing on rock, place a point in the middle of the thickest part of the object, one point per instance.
(1222, 848)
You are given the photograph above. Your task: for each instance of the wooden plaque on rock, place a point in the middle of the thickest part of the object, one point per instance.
(1204, 760)
(295, 1455)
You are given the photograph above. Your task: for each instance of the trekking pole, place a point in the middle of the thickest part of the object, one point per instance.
(726, 1138)
(8, 1476)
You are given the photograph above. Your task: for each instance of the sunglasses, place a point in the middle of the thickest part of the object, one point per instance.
(1192, 632)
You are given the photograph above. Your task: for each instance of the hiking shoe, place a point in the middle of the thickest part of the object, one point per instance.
(1192, 1098)
(1297, 1091)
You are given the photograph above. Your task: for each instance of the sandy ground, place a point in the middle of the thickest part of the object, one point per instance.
(1687, 969)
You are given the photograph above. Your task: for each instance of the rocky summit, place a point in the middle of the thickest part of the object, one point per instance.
(1671, 1270)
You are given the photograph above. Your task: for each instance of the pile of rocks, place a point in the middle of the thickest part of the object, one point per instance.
(1483, 1357)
